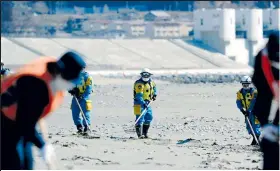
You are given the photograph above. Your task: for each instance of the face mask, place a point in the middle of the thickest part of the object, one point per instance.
(246, 86)
(59, 84)
(145, 79)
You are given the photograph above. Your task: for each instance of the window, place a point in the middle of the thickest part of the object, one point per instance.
(201, 21)
(270, 20)
(243, 21)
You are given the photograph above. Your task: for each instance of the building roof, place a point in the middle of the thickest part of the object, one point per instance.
(107, 31)
(166, 24)
(160, 13)
(129, 22)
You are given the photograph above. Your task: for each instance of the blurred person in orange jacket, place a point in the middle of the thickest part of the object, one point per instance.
(27, 96)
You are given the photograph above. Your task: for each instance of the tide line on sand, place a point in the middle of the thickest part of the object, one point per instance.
(220, 71)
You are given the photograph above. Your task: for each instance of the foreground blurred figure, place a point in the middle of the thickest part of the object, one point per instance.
(144, 92)
(82, 92)
(27, 96)
(266, 80)
(246, 98)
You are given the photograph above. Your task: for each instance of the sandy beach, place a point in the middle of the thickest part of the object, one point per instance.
(206, 114)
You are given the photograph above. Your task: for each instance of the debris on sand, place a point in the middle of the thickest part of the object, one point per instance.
(254, 161)
(214, 144)
(90, 136)
(184, 141)
(91, 159)
(165, 164)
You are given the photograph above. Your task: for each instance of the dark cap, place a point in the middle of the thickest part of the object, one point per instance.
(70, 65)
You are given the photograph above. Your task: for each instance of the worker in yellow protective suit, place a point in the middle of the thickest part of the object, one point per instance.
(144, 92)
(82, 92)
(246, 99)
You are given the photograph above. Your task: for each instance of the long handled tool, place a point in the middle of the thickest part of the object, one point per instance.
(83, 115)
(250, 125)
(132, 130)
(143, 112)
(252, 130)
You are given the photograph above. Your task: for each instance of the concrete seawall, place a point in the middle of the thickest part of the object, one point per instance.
(125, 58)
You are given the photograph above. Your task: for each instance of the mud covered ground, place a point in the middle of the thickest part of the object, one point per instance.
(204, 113)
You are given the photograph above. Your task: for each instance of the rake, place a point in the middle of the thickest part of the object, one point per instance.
(83, 115)
(252, 130)
(131, 129)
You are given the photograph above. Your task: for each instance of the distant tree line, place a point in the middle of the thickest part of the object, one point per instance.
(17, 14)
(161, 5)
(141, 5)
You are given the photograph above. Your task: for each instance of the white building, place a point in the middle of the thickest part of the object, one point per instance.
(271, 20)
(135, 28)
(155, 29)
(217, 28)
(163, 30)
(95, 25)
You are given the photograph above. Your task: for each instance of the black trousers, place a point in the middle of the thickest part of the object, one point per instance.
(10, 158)
(270, 155)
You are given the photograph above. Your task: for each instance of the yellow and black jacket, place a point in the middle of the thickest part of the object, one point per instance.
(246, 99)
(144, 91)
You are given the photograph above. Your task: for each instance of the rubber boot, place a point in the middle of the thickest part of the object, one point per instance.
(254, 142)
(139, 131)
(86, 130)
(145, 130)
(80, 129)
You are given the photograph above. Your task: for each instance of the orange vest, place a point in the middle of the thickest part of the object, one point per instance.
(38, 69)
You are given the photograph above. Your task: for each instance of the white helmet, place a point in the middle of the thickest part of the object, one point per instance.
(146, 70)
(146, 74)
(246, 81)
